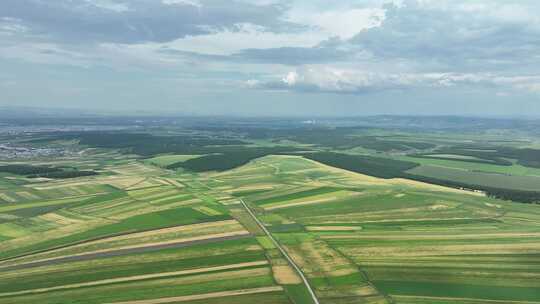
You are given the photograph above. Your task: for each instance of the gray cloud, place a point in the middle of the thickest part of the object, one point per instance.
(456, 36)
(452, 36)
(137, 20)
(294, 55)
(487, 45)
(283, 55)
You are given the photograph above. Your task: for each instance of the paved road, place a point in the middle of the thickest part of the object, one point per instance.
(289, 259)
(119, 252)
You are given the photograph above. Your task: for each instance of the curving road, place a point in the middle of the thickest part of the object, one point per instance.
(285, 254)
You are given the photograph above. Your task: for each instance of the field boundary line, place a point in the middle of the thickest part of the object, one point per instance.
(285, 254)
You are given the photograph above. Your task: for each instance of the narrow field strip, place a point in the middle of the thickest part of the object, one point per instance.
(433, 236)
(167, 198)
(174, 183)
(89, 182)
(62, 201)
(207, 210)
(105, 205)
(158, 195)
(133, 249)
(411, 265)
(307, 202)
(431, 219)
(7, 198)
(59, 219)
(333, 228)
(251, 188)
(315, 199)
(206, 296)
(441, 250)
(150, 233)
(182, 228)
(136, 278)
(27, 195)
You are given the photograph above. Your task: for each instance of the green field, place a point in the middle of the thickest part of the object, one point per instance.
(497, 180)
(471, 166)
(167, 160)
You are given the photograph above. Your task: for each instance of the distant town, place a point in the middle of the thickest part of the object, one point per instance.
(17, 152)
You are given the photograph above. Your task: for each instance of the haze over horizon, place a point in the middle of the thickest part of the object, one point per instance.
(272, 57)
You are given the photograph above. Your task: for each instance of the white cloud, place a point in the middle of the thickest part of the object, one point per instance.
(12, 26)
(195, 3)
(110, 5)
(343, 23)
(252, 83)
(291, 78)
(521, 83)
(228, 42)
(351, 81)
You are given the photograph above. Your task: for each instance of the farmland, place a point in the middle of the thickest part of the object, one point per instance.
(400, 241)
(141, 234)
(197, 219)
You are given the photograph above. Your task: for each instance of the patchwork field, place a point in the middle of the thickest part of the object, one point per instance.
(146, 235)
(140, 236)
(360, 239)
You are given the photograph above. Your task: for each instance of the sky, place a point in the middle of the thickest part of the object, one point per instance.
(273, 57)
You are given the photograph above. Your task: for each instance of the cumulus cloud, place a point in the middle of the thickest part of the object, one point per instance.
(334, 80)
(342, 81)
